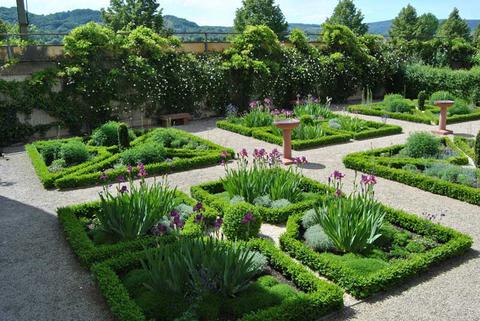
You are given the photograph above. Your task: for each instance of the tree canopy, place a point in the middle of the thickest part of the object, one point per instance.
(427, 26)
(454, 27)
(345, 13)
(129, 14)
(404, 26)
(261, 12)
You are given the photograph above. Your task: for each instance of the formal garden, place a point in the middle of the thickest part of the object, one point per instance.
(218, 219)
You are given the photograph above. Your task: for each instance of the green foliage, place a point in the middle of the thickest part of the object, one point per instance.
(299, 40)
(106, 135)
(317, 239)
(199, 266)
(404, 26)
(50, 151)
(241, 222)
(123, 136)
(148, 153)
(258, 117)
(131, 214)
(453, 174)
(441, 95)
(422, 145)
(57, 165)
(460, 107)
(73, 152)
(260, 178)
(395, 103)
(307, 132)
(307, 120)
(427, 25)
(313, 109)
(352, 223)
(352, 124)
(345, 13)
(129, 14)
(422, 97)
(260, 12)
(454, 27)
(477, 150)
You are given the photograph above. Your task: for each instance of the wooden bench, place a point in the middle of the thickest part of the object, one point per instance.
(175, 119)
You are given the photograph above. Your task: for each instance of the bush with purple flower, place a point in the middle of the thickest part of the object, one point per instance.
(241, 222)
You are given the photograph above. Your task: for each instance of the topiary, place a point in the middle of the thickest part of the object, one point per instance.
(241, 221)
(316, 238)
(106, 135)
(422, 145)
(477, 150)
(123, 138)
(422, 97)
(74, 152)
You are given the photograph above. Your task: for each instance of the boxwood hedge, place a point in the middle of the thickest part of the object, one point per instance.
(88, 252)
(452, 243)
(320, 296)
(206, 193)
(88, 173)
(379, 163)
(332, 136)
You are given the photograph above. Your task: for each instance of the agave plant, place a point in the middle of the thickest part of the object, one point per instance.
(351, 222)
(133, 211)
(198, 266)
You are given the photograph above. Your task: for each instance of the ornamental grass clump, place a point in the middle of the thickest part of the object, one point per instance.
(263, 176)
(133, 211)
(352, 222)
(198, 267)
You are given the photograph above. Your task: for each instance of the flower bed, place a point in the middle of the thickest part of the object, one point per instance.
(266, 189)
(268, 298)
(185, 152)
(383, 247)
(430, 115)
(413, 171)
(318, 126)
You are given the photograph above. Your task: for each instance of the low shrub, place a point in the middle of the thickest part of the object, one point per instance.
(422, 145)
(317, 239)
(460, 107)
(395, 103)
(241, 222)
(441, 95)
(148, 153)
(74, 152)
(50, 151)
(57, 165)
(453, 174)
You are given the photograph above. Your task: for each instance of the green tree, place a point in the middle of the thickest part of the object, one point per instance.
(427, 26)
(345, 13)
(261, 12)
(3, 29)
(476, 37)
(454, 27)
(404, 26)
(129, 14)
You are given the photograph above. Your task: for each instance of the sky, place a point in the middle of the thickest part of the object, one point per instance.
(221, 12)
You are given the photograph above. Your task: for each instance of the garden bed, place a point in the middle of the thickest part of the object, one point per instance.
(411, 246)
(268, 298)
(183, 151)
(445, 176)
(429, 116)
(213, 194)
(76, 220)
(328, 136)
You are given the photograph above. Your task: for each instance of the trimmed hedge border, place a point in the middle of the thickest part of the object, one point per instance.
(205, 193)
(334, 136)
(321, 297)
(89, 253)
(370, 162)
(88, 173)
(453, 243)
(367, 110)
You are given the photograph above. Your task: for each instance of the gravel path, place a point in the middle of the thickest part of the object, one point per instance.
(40, 278)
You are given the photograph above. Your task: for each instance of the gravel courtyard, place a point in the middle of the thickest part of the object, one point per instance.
(40, 278)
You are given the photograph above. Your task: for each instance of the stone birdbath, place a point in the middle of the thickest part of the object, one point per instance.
(442, 124)
(286, 125)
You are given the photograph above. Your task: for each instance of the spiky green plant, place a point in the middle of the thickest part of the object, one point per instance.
(258, 117)
(313, 109)
(133, 211)
(198, 266)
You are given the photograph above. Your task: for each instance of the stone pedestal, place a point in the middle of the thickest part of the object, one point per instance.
(287, 126)
(442, 123)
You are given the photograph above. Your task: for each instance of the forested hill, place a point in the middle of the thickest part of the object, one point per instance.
(66, 21)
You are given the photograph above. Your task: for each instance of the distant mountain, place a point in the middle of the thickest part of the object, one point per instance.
(66, 21)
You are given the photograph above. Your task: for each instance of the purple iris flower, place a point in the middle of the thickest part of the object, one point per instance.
(248, 218)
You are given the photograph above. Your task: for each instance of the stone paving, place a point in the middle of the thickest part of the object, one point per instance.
(40, 278)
